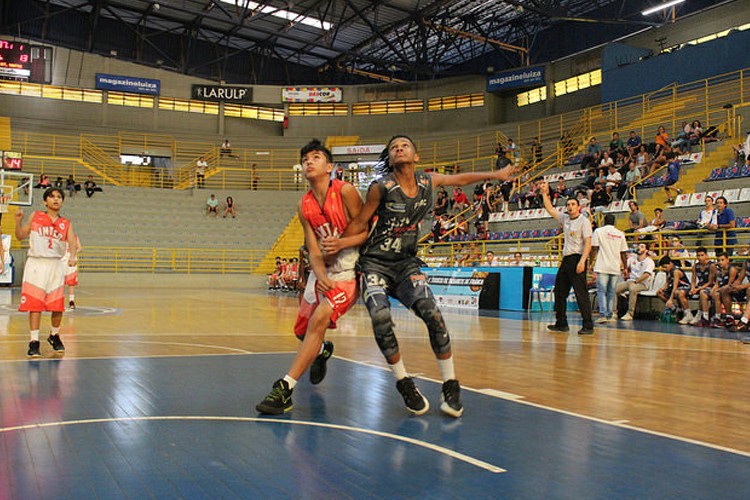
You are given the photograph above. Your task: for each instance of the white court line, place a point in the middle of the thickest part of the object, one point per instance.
(515, 398)
(440, 449)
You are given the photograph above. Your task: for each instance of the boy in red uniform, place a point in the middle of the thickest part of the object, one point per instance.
(44, 274)
(331, 289)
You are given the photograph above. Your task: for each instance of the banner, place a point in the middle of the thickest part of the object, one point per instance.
(522, 77)
(127, 84)
(223, 93)
(464, 288)
(372, 149)
(311, 94)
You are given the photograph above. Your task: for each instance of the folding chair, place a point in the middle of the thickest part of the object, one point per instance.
(546, 285)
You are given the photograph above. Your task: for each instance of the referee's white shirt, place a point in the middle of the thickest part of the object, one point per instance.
(575, 231)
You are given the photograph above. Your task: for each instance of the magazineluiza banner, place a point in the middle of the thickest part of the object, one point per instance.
(311, 94)
(464, 288)
(130, 84)
(522, 77)
(223, 93)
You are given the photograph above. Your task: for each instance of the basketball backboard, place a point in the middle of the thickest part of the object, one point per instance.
(18, 186)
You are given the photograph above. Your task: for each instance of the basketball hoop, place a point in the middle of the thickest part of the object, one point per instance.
(4, 202)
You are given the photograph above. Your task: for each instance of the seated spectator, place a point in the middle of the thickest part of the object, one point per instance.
(636, 219)
(673, 176)
(441, 203)
(725, 238)
(489, 259)
(663, 143)
(642, 160)
(593, 153)
(560, 189)
(655, 224)
(229, 208)
(462, 227)
(678, 253)
(460, 201)
(742, 152)
(226, 149)
(683, 137)
(606, 161)
(59, 182)
(616, 145)
(676, 280)
(71, 185)
(437, 229)
(614, 179)
(587, 186)
(90, 186)
(696, 133)
(212, 206)
(658, 162)
(706, 218)
(633, 144)
(638, 275)
(517, 260)
(631, 179)
(584, 203)
(600, 199)
(43, 183)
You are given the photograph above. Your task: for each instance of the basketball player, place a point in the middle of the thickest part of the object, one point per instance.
(389, 266)
(44, 273)
(71, 274)
(325, 210)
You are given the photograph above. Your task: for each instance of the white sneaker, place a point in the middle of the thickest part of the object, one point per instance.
(601, 319)
(696, 319)
(627, 317)
(686, 318)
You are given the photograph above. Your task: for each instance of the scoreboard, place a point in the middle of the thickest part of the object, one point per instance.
(15, 60)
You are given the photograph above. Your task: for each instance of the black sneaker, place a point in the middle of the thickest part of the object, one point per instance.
(451, 400)
(72, 304)
(586, 331)
(415, 402)
(33, 351)
(278, 401)
(318, 369)
(557, 328)
(740, 327)
(56, 343)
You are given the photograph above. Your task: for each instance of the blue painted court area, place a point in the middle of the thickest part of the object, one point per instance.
(186, 427)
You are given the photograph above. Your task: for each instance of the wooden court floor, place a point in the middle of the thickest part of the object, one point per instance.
(683, 384)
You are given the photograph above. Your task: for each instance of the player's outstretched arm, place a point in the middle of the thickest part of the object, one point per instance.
(544, 188)
(73, 246)
(360, 223)
(22, 231)
(470, 177)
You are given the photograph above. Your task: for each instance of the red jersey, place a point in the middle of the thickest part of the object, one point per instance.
(47, 238)
(330, 220)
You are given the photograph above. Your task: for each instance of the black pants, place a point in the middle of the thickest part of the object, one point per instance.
(567, 277)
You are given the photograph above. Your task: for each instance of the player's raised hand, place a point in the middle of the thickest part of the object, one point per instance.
(506, 173)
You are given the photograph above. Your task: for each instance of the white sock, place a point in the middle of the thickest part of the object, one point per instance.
(55, 330)
(704, 314)
(35, 335)
(446, 369)
(717, 316)
(322, 345)
(289, 380)
(72, 297)
(399, 370)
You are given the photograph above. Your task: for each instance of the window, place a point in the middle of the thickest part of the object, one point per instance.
(455, 102)
(578, 82)
(50, 92)
(254, 112)
(318, 109)
(127, 99)
(188, 106)
(531, 96)
(388, 107)
(708, 38)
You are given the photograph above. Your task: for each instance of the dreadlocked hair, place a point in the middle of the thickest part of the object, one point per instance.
(383, 166)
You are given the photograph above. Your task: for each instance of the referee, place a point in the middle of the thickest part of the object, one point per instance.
(572, 272)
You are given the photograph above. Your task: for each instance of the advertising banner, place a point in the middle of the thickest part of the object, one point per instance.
(372, 149)
(223, 93)
(464, 288)
(517, 78)
(311, 94)
(130, 84)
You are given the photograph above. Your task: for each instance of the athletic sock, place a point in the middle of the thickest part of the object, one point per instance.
(72, 297)
(35, 335)
(717, 316)
(322, 346)
(399, 370)
(446, 369)
(705, 315)
(289, 380)
(55, 330)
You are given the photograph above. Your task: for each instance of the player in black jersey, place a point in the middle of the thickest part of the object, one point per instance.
(726, 273)
(701, 282)
(396, 204)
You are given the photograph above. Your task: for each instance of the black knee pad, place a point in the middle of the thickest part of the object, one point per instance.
(428, 311)
(382, 326)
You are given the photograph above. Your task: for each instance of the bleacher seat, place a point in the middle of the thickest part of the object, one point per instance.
(745, 194)
(697, 199)
(658, 282)
(714, 194)
(732, 195)
(682, 200)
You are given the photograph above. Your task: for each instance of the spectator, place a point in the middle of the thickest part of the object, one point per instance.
(673, 175)
(606, 161)
(536, 151)
(226, 149)
(609, 251)
(513, 150)
(43, 183)
(701, 282)
(638, 275)
(560, 189)
(517, 260)
(462, 227)
(489, 259)
(502, 158)
(676, 280)
(59, 183)
(721, 295)
(441, 203)
(678, 253)
(71, 185)
(633, 144)
(212, 206)
(90, 186)
(593, 153)
(706, 218)
(616, 145)
(642, 160)
(614, 179)
(683, 137)
(742, 152)
(587, 186)
(298, 178)
(636, 219)
(600, 199)
(631, 179)
(725, 238)
(460, 201)
(662, 141)
(254, 177)
(229, 208)
(200, 172)
(655, 224)
(696, 133)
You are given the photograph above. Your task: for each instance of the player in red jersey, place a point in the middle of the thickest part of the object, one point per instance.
(331, 289)
(44, 274)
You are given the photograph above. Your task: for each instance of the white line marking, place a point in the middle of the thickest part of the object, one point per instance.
(500, 394)
(439, 449)
(514, 399)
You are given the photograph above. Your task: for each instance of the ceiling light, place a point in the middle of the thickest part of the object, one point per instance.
(284, 14)
(661, 7)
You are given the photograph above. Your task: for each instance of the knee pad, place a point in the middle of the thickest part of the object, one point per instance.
(428, 311)
(382, 327)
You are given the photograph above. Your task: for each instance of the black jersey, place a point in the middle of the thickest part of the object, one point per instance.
(702, 274)
(722, 275)
(682, 284)
(395, 228)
